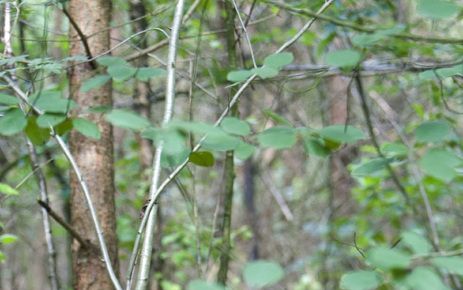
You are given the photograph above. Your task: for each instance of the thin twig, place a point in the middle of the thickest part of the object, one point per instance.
(83, 38)
(45, 206)
(245, 31)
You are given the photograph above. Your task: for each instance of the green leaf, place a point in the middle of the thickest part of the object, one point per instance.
(51, 102)
(7, 190)
(111, 60)
(235, 126)
(94, 83)
(315, 146)
(394, 149)
(202, 158)
(121, 72)
(221, 142)
(262, 273)
(278, 60)
(278, 137)
(239, 75)
(244, 150)
(203, 285)
(146, 73)
(437, 9)
(127, 120)
(265, 72)
(452, 264)
(432, 131)
(195, 127)
(343, 58)
(360, 280)
(38, 136)
(64, 127)
(417, 243)
(440, 164)
(8, 239)
(280, 120)
(342, 134)
(47, 120)
(370, 167)
(423, 278)
(174, 142)
(12, 122)
(86, 128)
(387, 258)
(8, 100)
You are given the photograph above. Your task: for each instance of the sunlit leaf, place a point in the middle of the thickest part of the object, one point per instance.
(432, 131)
(342, 134)
(262, 273)
(12, 122)
(343, 58)
(452, 264)
(86, 128)
(145, 73)
(94, 83)
(440, 163)
(235, 126)
(437, 9)
(239, 75)
(360, 280)
(417, 243)
(203, 285)
(387, 258)
(424, 278)
(7, 190)
(127, 120)
(278, 137)
(8, 100)
(7, 239)
(278, 60)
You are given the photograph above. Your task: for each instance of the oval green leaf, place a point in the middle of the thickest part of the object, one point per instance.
(262, 273)
(235, 126)
(12, 122)
(202, 158)
(127, 120)
(86, 128)
(346, 58)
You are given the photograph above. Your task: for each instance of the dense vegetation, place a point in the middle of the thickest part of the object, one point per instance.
(209, 145)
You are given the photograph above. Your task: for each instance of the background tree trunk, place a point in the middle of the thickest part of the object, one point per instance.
(94, 157)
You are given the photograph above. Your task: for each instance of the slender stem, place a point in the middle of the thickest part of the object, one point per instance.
(366, 113)
(224, 229)
(52, 273)
(83, 38)
(45, 206)
(239, 92)
(147, 248)
(243, 26)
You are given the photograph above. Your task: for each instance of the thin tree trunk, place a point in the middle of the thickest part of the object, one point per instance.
(94, 157)
(224, 230)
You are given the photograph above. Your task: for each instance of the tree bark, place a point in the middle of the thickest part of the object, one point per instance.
(94, 157)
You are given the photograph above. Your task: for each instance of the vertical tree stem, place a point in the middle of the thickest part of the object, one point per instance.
(147, 248)
(224, 229)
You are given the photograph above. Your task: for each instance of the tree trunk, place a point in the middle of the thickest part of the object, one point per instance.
(94, 157)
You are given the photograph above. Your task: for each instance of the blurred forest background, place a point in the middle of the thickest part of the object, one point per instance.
(337, 166)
